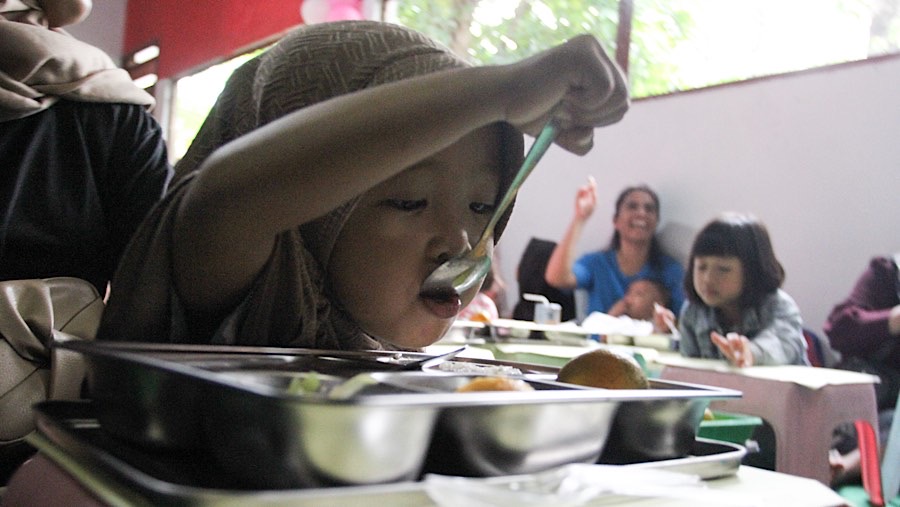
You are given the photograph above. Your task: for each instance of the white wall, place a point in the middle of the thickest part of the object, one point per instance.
(104, 27)
(816, 155)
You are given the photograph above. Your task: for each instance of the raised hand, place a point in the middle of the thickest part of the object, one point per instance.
(586, 199)
(735, 347)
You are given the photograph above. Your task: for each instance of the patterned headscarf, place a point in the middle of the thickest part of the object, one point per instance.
(315, 63)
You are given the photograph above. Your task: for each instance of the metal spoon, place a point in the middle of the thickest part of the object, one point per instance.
(459, 274)
(420, 364)
(396, 361)
(360, 381)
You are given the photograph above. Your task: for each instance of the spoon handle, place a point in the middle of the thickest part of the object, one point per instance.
(537, 150)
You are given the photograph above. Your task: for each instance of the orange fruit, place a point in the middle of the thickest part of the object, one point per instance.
(606, 369)
(495, 384)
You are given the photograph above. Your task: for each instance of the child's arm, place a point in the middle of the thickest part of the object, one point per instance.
(689, 345)
(780, 341)
(308, 162)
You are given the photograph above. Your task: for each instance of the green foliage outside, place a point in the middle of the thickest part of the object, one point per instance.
(535, 25)
(674, 44)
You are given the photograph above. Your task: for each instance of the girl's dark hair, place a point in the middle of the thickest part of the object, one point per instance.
(743, 236)
(656, 254)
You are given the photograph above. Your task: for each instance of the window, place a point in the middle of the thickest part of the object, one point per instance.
(193, 97)
(141, 66)
(673, 45)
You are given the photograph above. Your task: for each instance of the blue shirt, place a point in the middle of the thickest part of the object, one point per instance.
(599, 273)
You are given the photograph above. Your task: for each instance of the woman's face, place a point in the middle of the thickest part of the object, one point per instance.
(719, 281)
(403, 228)
(637, 217)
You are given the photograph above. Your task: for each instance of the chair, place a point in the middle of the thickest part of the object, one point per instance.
(818, 350)
(530, 277)
(802, 404)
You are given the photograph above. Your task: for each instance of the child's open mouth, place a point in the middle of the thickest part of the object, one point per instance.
(444, 304)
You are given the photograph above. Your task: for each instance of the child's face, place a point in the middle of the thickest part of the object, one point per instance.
(403, 228)
(637, 217)
(719, 281)
(640, 297)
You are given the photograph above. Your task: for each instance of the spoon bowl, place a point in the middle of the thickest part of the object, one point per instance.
(459, 274)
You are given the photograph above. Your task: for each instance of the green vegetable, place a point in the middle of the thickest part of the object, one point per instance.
(308, 383)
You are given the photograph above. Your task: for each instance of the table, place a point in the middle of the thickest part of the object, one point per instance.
(42, 482)
(564, 342)
(802, 403)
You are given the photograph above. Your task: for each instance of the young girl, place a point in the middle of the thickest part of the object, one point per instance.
(335, 173)
(735, 309)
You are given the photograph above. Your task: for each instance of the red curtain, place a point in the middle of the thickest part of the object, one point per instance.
(197, 32)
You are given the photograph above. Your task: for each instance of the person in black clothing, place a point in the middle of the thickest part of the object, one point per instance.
(82, 161)
(82, 158)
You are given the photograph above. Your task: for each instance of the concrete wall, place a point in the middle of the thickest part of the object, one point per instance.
(816, 155)
(104, 28)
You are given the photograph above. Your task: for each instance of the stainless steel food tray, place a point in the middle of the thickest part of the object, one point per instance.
(233, 405)
(122, 474)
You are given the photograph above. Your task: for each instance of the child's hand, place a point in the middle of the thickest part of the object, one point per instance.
(735, 347)
(618, 309)
(576, 84)
(663, 320)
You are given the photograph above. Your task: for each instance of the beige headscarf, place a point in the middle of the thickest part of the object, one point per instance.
(315, 63)
(40, 64)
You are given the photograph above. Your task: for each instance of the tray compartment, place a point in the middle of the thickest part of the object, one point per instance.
(264, 443)
(657, 429)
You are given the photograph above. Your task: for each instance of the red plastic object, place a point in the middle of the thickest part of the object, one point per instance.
(869, 462)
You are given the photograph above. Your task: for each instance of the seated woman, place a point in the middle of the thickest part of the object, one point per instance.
(633, 253)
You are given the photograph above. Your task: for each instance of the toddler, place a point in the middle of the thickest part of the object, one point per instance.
(336, 171)
(641, 298)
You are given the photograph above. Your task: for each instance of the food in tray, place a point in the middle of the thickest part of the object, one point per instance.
(305, 384)
(495, 384)
(606, 369)
(481, 316)
(481, 369)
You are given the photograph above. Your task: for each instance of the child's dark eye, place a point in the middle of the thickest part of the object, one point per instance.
(482, 208)
(407, 205)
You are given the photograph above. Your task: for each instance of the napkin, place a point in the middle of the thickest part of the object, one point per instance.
(573, 486)
(602, 323)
